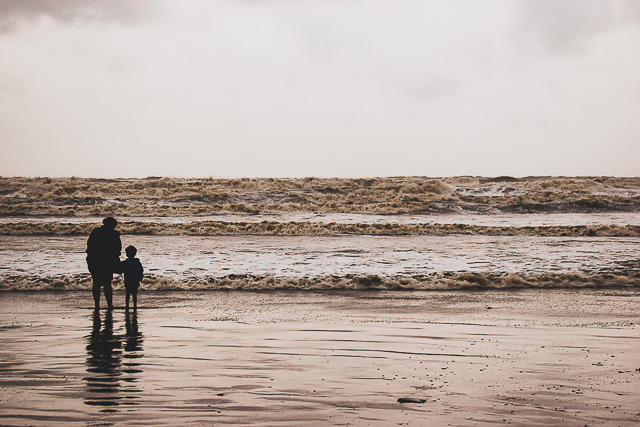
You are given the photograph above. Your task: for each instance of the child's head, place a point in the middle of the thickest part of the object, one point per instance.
(131, 251)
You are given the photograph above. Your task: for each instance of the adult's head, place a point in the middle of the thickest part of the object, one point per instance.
(110, 222)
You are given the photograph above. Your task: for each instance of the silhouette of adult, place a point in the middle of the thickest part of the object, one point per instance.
(103, 259)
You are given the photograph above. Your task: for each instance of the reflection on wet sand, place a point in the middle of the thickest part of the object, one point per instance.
(132, 347)
(112, 381)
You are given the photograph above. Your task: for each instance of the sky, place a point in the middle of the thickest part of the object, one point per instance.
(325, 88)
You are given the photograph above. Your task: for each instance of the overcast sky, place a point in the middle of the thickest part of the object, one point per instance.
(289, 88)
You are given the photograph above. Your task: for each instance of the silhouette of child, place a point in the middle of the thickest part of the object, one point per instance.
(132, 270)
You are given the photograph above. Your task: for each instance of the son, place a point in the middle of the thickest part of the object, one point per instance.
(132, 270)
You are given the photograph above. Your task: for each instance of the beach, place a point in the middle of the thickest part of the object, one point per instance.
(533, 357)
(363, 302)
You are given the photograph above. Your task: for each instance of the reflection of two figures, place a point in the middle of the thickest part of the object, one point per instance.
(113, 362)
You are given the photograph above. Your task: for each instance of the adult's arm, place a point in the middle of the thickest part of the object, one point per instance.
(118, 247)
(91, 242)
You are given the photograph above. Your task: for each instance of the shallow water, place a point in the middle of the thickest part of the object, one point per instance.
(503, 220)
(305, 256)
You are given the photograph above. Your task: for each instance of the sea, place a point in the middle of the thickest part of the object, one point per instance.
(402, 233)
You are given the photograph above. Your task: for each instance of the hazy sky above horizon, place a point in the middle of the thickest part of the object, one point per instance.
(288, 88)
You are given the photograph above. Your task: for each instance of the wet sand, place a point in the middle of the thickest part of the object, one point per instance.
(534, 357)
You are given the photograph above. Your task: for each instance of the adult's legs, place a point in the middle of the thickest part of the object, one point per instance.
(102, 277)
(108, 293)
(135, 299)
(96, 293)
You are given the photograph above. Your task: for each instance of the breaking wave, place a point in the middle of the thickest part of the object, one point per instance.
(306, 228)
(433, 282)
(185, 197)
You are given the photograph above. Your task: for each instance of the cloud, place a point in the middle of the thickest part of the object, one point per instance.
(15, 12)
(316, 87)
(568, 26)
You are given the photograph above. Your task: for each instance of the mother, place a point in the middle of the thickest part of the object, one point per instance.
(103, 258)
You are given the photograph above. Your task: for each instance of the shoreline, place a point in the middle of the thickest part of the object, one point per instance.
(323, 358)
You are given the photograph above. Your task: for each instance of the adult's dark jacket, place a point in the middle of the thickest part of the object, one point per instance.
(103, 251)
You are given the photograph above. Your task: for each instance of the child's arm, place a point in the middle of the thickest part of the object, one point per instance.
(140, 271)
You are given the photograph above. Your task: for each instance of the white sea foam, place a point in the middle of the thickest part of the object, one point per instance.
(200, 259)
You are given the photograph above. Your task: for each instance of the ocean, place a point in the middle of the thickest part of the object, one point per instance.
(406, 233)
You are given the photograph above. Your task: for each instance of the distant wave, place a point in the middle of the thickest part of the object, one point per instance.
(394, 195)
(461, 202)
(434, 282)
(210, 228)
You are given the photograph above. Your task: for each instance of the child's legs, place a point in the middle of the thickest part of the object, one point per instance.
(135, 298)
(127, 297)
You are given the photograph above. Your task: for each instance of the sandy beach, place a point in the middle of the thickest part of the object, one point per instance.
(534, 357)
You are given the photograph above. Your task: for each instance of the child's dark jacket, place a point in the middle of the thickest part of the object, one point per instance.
(132, 270)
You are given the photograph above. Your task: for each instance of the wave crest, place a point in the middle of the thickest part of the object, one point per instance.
(173, 196)
(303, 228)
(433, 282)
